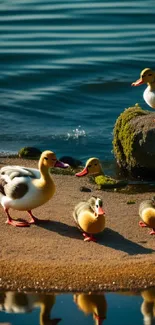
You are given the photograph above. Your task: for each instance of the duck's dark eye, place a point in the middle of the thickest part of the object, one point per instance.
(95, 164)
(46, 158)
(96, 205)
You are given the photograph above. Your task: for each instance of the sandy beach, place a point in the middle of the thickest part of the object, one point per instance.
(52, 256)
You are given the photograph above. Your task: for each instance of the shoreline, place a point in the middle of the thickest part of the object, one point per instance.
(52, 257)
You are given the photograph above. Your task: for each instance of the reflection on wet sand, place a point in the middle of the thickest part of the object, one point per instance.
(14, 302)
(92, 304)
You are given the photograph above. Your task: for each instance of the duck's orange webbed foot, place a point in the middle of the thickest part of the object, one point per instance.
(15, 223)
(152, 232)
(35, 220)
(88, 237)
(142, 224)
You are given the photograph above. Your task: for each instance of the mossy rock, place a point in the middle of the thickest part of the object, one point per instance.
(124, 135)
(107, 182)
(29, 152)
(134, 138)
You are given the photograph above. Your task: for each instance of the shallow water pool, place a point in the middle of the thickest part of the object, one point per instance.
(17, 308)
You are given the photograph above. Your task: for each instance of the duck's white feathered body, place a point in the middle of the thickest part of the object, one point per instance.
(25, 189)
(25, 181)
(149, 96)
(147, 76)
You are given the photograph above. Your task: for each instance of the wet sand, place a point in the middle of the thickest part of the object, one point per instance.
(52, 256)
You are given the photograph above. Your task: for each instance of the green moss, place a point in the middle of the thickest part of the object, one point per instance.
(124, 135)
(104, 182)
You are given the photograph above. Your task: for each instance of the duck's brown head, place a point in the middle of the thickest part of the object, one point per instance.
(147, 76)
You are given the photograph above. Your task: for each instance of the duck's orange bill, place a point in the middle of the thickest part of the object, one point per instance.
(84, 172)
(138, 82)
(99, 211)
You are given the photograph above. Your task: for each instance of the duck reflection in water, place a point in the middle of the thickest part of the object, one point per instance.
(148, 306)
(14, 302)
(94, 304)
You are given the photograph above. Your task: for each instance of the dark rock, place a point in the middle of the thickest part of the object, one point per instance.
(85, 189)
(29, 152)
(73, 162)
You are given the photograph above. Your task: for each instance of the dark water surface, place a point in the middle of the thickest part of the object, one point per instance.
(83, 309)
(66, 69)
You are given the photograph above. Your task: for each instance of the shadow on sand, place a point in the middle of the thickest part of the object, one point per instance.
(113, 239)
(108, 238)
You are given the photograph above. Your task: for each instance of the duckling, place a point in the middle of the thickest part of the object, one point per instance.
(147, 76)
(148, 305)
(147, 214)
(89, 217)
(24, 189)
(15, 302)
(92, 304)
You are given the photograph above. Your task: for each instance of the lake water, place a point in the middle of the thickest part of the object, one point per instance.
(66, 71)
(78, 309)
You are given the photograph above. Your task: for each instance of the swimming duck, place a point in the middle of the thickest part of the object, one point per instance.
(24, 188)
(15, 302)
(147, 214)
(147, 76)
(92, 304)
(89, 217)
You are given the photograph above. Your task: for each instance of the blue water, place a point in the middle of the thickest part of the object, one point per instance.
(66, 69)
(79, 309)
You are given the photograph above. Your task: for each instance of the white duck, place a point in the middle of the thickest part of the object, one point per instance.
(147, 76)
(24, 188)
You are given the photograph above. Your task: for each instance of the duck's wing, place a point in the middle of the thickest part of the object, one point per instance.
(8, 173)
(14, 180)
(81, 206)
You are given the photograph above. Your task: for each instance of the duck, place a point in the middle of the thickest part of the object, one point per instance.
(147, 214)
(89, 216)
(93, 167)
(92, 304)
(18, 302)
(147, 76)
(24, 189)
